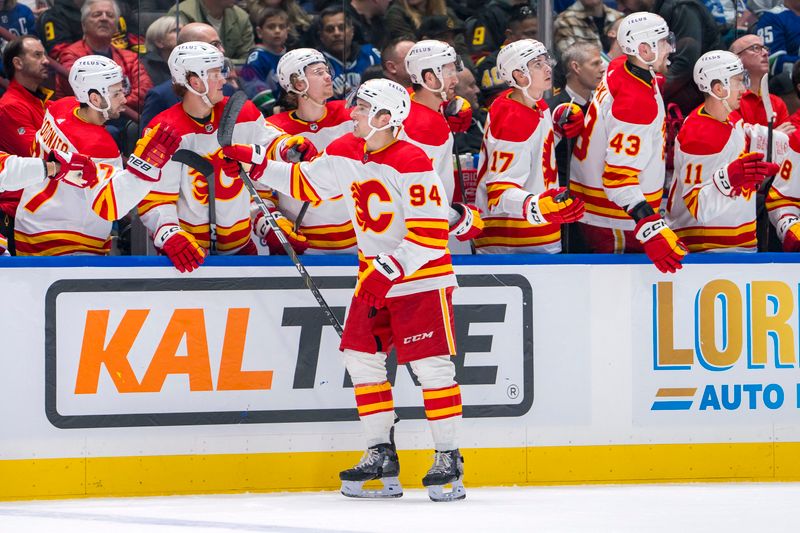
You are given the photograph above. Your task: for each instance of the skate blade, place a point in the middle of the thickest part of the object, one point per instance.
(391, 489)
(438, 493)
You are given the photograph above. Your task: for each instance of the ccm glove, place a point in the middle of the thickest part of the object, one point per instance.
(251, 155)
(789, 232)
(568, 120)
(661, 245)
(297, 148)
(744, 175)
(262, 228)
(376, 280)
(458, 114)
(469, 224)
(153, 151)
(554, 206)
(76, 169)
(181, 248)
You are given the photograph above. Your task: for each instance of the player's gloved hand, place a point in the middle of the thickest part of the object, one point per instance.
(180, 246)
(661, 245)
(297, 148)
(554, 206)
(4, 247)
(262, 228)
(458, 114)
(375, 281)
(789, 232)
(252, 156)
(76, 169)
(468, 225)
(744, 175)
(568, 120)
(758, 136)
(153, 151)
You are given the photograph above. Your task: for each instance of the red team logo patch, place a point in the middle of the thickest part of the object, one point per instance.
(225, 187)
(362, 193)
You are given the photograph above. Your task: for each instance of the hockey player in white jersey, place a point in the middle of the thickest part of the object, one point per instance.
(405, 282)
(53, 219)
(518, 179)
(436, 113)
(712, 201)
(783, 198)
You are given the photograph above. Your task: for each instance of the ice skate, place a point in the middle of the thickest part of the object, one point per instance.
(379, 462)
(447, 469)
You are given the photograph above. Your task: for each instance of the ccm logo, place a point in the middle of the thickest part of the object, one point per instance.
(418, 337)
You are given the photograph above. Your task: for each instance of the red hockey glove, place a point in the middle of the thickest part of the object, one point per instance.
(469, 223)
(554, 206)
(744, 175)
(789, 232)
(297, 148)
(661, 245)
(262, 228)
(181, 248)
(3, 246)
(251, 155)
(76, 169)
(376, 280)
(568, 120)
(458, 114)
(153, 151)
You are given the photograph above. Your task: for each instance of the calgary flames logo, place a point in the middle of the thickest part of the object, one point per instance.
(362, 193)
(549, 162)
(226, 187)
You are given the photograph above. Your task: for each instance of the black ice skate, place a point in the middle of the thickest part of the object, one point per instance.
(447, 469)
(379, 462)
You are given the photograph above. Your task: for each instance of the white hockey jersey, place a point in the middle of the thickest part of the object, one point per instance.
(517, 159)
(327, 226)
(395, 200)
(783, 200)
(618, 160)
(18, 172)
(181, 197)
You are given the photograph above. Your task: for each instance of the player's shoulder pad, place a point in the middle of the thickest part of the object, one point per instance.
(337, 112)
(404, 157)
(426, 126)
(511, 121)
(285, 122)
(249, 112)
(63, 106)
(634, 100)
(794, 141)
(702, 134)
(348, 146)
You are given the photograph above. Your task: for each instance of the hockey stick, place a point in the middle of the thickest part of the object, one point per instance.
(204, 167)
(450, 112)
(568, 141)
(762, 219)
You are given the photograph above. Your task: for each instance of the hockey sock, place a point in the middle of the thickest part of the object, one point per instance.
(443, 410)
(376, 410)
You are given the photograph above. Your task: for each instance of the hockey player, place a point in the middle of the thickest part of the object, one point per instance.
(304, 73)
(711, 204)
(517, 177)
(783, 199)
(437, 113)
(618, 161)
(52, 219)
(177, 211)
(405, 281)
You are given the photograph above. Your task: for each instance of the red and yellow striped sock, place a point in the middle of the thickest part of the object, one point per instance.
(372, 398)
(442, 403)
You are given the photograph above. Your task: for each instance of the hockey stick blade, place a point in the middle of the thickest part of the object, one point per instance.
(230, 114)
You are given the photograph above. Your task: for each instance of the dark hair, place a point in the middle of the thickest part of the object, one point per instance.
(14, 49)
(372, 72)
(268, 13)
(389, 49)
(334, 9)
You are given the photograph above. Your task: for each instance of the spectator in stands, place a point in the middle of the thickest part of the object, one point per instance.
(259, 76)
(404, 17)
(755, 58)
(17, 18)
(584, 21)
(470, 141)
(446, 29)
(393, 61)
(163, 96)
(486, 31)
(368, 18)
(780, 28)
(300, 22)
(614, 50)
(231, 23)
(161, 38)
(335, 34)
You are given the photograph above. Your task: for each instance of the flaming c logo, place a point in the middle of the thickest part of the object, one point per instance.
(225, 187)
(549, 161)
(362, 192)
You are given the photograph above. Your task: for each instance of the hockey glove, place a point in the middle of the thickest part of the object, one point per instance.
(297, 148)
(458, 114)
(758, 135)
(469, 224)
(153, 151)
(253, 156)
(262, 228)
(568, 120)
(789, 232)
(181, 248)
(552, 206)
(76, 169)
(744, 175)
(661, 245)
(376, 280)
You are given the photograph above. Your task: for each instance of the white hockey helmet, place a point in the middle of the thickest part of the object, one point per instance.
(385, 95)
(294, 63)
(95, 73)
(643, 27)
(718, 65)
(517, 55)
(433, 55)
(197, 58)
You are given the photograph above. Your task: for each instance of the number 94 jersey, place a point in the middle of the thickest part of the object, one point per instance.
(618, 160)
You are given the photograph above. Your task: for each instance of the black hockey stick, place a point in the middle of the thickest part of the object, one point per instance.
(204, 167)
(762, 218)
(230, 114)
(561, 122)
(449, 112)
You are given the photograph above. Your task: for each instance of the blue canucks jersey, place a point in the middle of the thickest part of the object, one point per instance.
(19, 21)
(345, 79)
(780, 29)
(259, 79)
